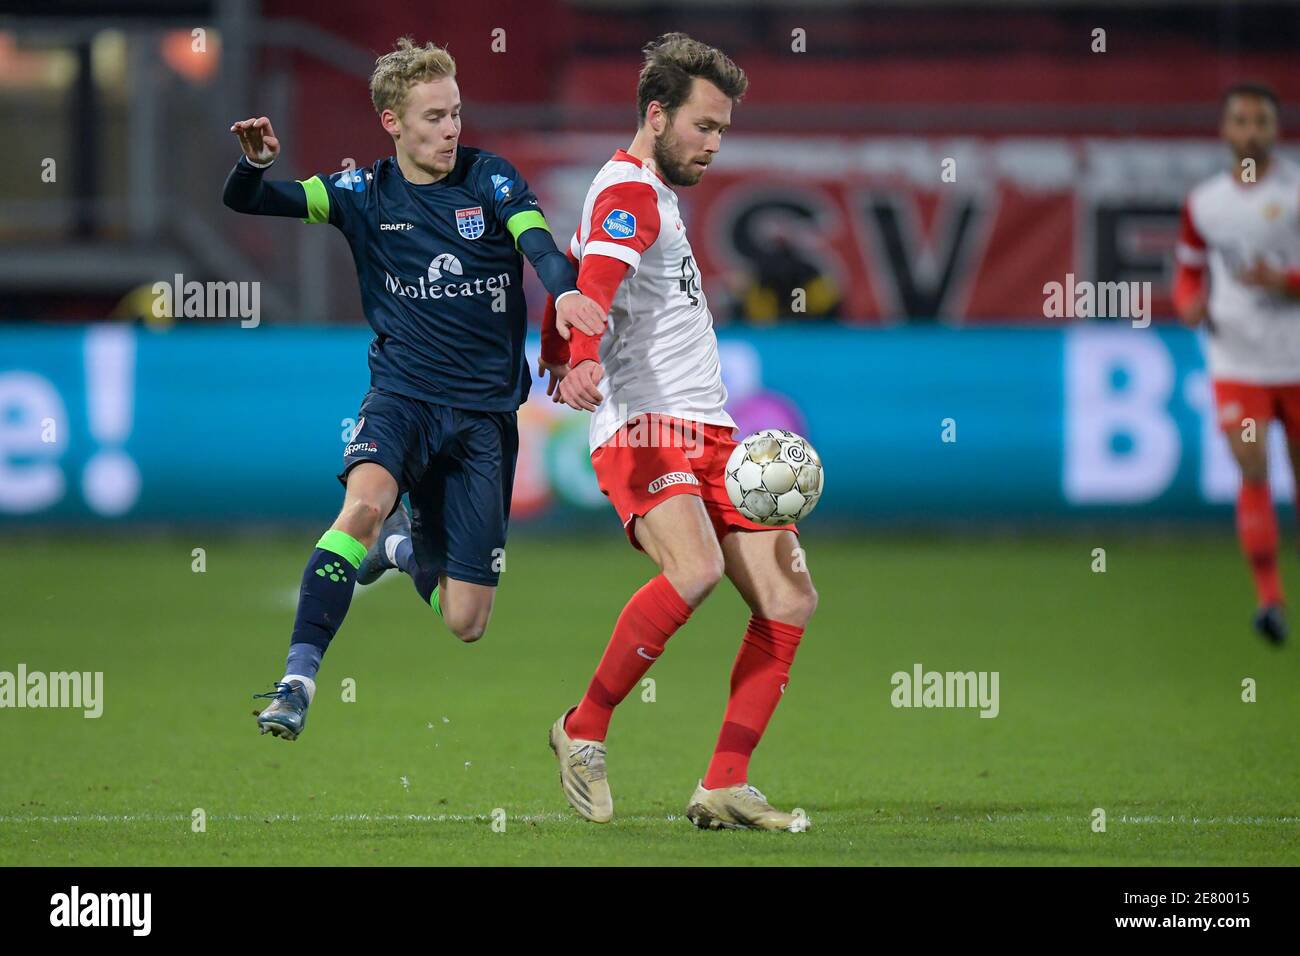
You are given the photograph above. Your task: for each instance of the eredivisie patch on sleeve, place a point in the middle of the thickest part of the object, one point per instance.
(619, 224)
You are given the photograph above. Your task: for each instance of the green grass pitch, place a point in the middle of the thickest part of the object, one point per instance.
(1120, 690)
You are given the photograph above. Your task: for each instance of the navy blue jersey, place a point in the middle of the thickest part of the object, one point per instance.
(441, 275)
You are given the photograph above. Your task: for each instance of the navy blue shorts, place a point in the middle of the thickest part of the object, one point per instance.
(458, 468)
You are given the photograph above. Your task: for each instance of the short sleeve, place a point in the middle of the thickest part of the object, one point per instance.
(624, 223)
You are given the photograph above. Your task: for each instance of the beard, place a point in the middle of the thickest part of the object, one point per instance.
(1256, 151)
(678, 172)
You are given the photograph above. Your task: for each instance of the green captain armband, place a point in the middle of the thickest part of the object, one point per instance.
(521, 222)
(318, 200)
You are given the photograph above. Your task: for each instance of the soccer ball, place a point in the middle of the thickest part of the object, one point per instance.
(774, 477)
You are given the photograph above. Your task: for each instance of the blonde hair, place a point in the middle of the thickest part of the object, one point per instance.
(396, 72)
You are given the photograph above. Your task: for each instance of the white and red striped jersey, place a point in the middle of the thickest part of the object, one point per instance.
(1228, 225)
(659, 352)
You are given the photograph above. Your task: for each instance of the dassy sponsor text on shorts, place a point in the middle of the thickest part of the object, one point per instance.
(672, 478)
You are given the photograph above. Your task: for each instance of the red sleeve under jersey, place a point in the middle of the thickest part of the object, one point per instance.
(598, 280)
(624, 224)
(1189, 258)
(555, 351)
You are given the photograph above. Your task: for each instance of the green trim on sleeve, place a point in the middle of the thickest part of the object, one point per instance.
(344, 545)
(318, 200)
(521, 222)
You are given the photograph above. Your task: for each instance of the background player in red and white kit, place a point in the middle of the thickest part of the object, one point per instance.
(661, 436)
(1243, 226)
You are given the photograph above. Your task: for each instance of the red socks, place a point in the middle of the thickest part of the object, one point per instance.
(652, 616)
(1257, 532)
(758, 680)
(758, 677)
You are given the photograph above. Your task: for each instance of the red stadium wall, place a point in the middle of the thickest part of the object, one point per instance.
(1022, 79)
(1045, 184)
(874, 218)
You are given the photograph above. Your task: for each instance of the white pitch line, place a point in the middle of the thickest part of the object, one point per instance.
(296, 818)
(1148, 820)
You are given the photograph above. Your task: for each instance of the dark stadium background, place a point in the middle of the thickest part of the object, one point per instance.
(1065, 160)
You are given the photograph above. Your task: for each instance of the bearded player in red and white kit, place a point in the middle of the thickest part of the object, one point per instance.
(660, 439)
(1243, 226)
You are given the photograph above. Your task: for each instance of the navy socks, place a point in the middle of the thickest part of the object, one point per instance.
(323, 599)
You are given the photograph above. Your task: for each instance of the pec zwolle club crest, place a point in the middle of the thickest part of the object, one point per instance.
(470, 222)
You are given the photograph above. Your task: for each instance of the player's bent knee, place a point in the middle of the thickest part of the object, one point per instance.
(791, 605)
(805, 605)
(361, 519)
(696, 579)
(470, 632)
(1252, 461)
(467, 627)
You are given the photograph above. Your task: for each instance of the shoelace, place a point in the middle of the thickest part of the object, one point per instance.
(281, 692)
(753, 793)
(587, 755)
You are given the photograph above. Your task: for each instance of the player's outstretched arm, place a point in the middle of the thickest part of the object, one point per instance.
(599, 278)
(246, 190)
(604, 265)
(555, 269)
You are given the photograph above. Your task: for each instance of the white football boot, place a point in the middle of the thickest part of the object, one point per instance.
(582, 773)
(741, 807)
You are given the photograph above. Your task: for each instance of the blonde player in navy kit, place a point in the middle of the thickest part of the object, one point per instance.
(437, 231)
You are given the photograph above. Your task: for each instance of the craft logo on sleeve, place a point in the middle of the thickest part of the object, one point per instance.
(75, 909)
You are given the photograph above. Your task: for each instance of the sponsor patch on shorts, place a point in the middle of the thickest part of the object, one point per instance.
(672, 478)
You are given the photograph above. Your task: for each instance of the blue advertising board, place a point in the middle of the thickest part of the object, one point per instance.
(110, 424)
